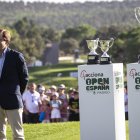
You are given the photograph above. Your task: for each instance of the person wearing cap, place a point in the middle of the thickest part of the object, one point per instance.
(64, 99)
(74, 107)
(55, 105)
(61, 91)
(71, 92)
(53, 89)
(41, 91)
(13, 82)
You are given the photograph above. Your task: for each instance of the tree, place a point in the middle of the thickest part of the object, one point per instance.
(69, 45)
(51, 35)
(28, 39)
(133, 43)
(79, 32)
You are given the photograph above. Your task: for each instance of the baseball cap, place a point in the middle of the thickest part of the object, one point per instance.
(41, 88)
(55, 94)
(76, 92)
(62, 86)
(53, 87)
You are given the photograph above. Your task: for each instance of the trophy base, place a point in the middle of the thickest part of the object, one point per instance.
(93, 59)
(105, 60)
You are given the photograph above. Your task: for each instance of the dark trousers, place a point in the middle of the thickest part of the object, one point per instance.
(73, 116)
(126, 115)
(33, 117)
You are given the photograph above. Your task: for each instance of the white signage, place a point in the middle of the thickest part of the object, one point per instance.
(101, 102)
(133, 82)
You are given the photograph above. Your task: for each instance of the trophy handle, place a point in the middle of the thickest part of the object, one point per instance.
(137, 13)
(111, 42)
(97, 42)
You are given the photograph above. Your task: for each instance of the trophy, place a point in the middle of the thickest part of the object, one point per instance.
(93, 57)
(137, 13)
(104, 45)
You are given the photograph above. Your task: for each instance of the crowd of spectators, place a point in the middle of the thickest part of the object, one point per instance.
(43, 105)
(54, 104)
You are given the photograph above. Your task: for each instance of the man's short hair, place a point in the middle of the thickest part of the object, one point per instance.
(5, 34)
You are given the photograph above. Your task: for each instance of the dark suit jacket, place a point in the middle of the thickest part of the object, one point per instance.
(13, 80)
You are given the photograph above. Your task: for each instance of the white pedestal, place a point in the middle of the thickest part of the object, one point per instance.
(133, 82)
(101, 96)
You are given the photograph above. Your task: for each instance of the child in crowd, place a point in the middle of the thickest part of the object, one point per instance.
(44, 115)
(55, 105)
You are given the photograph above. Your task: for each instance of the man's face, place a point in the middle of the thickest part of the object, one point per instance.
(2, 43)
(32, 87)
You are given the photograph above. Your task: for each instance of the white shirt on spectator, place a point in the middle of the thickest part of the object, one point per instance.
(31, 101)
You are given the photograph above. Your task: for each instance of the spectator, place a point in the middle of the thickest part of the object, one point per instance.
(31, 99)
(74, 107)
(41, 90)
(61, 91)
(71, 93)
(64, 100)
(55, 104)
(38, 86)
(53, 89)
(126, 102)
(44, 116)
(48, 93)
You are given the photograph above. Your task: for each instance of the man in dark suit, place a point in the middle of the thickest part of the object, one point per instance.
(13, 81)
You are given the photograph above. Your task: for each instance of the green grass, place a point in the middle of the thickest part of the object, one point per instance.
(53, 131)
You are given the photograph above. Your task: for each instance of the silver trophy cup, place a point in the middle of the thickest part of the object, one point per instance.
(105, 45)
(137, 13)
(93, 57)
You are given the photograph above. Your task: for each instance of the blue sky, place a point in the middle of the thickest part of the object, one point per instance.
(61, 1)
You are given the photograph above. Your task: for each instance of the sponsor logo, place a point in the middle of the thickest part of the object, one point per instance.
(85, 75)
(132, 73)
(136, 76)
(95, 82)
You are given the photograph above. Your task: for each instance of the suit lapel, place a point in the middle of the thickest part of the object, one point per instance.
(5, 62)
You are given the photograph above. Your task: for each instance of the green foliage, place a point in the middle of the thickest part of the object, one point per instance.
(69, 45)
(128, 45)
(31, 42)
(29, 35)
(79, 32)
(62, 16)
(51, 35)
(75, 37)
(133, 45)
